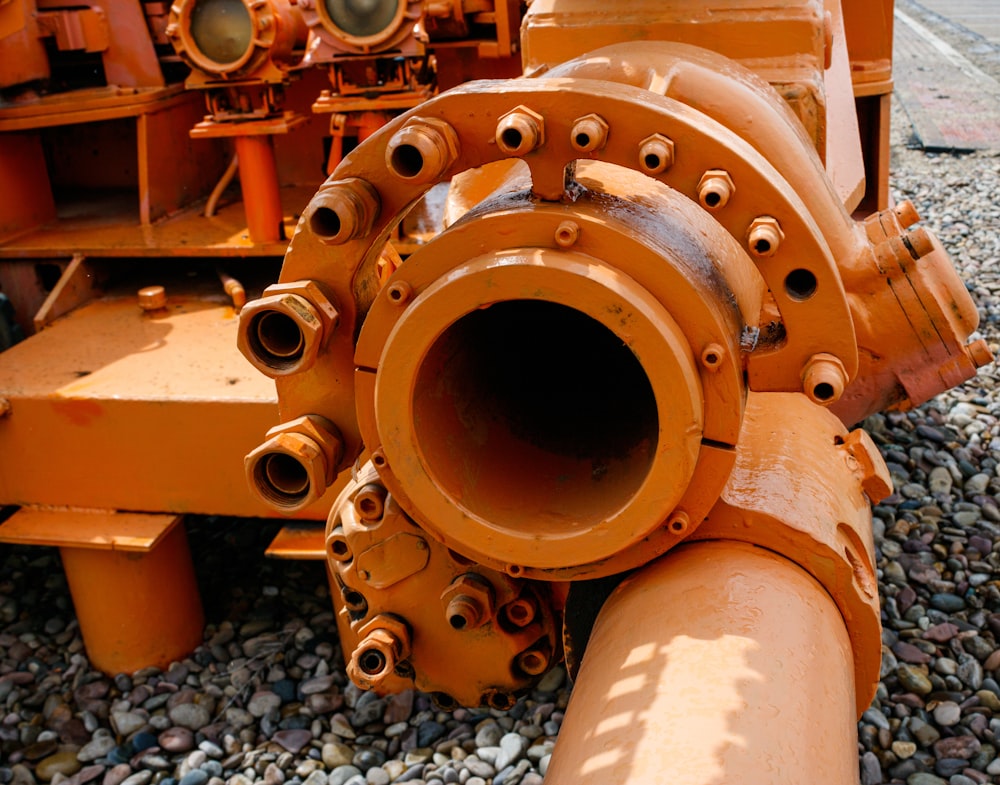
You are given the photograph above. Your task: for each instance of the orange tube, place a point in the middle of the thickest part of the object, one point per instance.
(259, 181)
(135, 609)
(720, 662)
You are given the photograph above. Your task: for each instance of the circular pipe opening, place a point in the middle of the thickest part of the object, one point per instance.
(536, 416)
(372, 662)
(406, 161)
(800, 284)
(325, 222)
(281, 478)
(276, 339)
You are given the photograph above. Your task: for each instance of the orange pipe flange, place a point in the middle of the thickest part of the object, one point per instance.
(261, 194)
(721, 662)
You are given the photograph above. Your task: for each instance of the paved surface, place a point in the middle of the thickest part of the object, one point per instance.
(979, 16)
(952, 104)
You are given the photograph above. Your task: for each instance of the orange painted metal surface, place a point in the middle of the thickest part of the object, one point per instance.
(117, 566)
(718, 663)
(629, 342)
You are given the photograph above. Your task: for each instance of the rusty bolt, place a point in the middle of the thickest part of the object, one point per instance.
(468, 602)
(715, 189)
(520, 612)
(282, 332)
(712, 357)
(824, 379)
(369, 502)
(589, 134)
(764, 236)
(386, 643)
(533, 661)
(919, 242)
(337, 546)
(152, 298)
(520, 131)
(296, 464)
(422, 150)
(656, 154)
(679, 522)
(864, 459)
(399, 292)
(906, 213)
(343, 210)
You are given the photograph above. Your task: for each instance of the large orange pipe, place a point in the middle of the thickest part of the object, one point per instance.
(259, 183)
(720, 662)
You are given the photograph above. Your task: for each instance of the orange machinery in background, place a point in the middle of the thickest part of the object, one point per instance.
(603, 415)
(126, 259)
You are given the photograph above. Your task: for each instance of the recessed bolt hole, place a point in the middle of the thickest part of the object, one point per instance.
(712, 199)
(762, 247)
(582, 140)
(325, 222)
(457, 621)
(800, 284)
(354, 600)
(407, 160)
(339, 548)
(368, 506)
(652, 161)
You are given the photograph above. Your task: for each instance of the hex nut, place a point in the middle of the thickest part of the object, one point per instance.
(656, 154)
(764, 236)
(468, 602)
(589, 134)
(388, 639)
(715, 189)
(342, 211)
(520, 131)
(282, 332)
(422, 150)
(323, 433)
(287, 472)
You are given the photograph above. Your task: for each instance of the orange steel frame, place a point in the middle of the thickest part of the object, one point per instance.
(688, 192)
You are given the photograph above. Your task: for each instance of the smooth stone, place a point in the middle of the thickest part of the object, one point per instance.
(925, 778)
(292, 740)
(193, 716)
(914, 679)
(342, 774)
(379, 776)
(957, 747)
(127, 722)
(947, 714)
(97, 747)
(194, 777)
(263, 702)
(139, 778)
(64, 762)
(317, 777)
(336, 754)
(116, 775)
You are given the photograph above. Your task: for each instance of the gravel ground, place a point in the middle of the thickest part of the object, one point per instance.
(264, 699)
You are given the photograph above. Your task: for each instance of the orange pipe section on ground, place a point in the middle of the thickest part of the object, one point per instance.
(720, 662)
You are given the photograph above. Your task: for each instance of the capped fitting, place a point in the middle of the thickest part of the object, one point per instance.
(656, 154)
(468, 602)
(533, 661)
(824, 379)
(296, 464)
(152, 298)
(520, 612)
(282, 332)
(520, 131)
(386, 643)
(715, 189)
(343, 210)
(422, 150)
(589, 134)
(764, 236)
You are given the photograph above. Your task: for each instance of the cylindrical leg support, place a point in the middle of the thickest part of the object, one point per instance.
(136, 608)
(720, 662)
(259, 182)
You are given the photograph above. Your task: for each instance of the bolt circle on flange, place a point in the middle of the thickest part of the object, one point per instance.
(824, 379)
(764, 236)
(589, 134)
